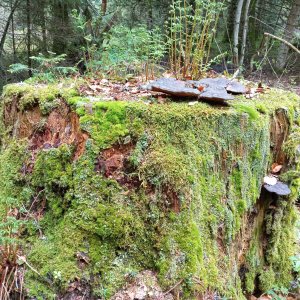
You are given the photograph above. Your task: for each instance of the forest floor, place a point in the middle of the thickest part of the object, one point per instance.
(135, 88)
(289, 82)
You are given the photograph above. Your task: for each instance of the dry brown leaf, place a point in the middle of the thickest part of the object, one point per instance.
(276, 168)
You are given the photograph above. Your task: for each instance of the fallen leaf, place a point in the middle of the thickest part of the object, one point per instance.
(95, 88)
(135, 91)
(89, 93)
(276, 168)
(260, 90)
(21, 260)
(200, 88)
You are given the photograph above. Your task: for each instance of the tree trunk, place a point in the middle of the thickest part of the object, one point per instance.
(43, 25)
(150, 15)
(245, 32)
(288, 34)
(236, 30)
(104, 7)
(13, 34)
(28, 11)
(6, 27)
(60, 27)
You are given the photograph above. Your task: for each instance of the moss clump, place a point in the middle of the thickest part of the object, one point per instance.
(251, 111)
(52, 176)
(14, 190)
(108, 123)
(267, 279)
(46, 96)
(198, 173)
(54, 256)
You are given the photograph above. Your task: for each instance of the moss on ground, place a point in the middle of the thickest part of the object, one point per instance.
(209, 160)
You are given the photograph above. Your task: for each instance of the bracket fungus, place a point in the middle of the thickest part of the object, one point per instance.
(208, 89)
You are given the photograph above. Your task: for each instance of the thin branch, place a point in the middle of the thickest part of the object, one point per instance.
(283, 41)
(174, 287)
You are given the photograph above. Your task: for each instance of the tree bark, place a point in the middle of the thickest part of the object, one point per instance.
(104, 7)
(13, 34)
(245, 31)
(150, 15)
(288, 34)
(28, 8)
(43, 25)
(60, 26)
(236, 30)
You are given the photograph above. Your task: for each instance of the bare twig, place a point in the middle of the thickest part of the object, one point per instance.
(174, 287)
(23, 259)
(236, 73)
(283, 41)
(3, 279)
(198, 281)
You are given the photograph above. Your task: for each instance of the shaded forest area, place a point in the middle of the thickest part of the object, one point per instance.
(118, 38)
(144, 153)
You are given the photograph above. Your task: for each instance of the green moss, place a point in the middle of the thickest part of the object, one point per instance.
(14, 190)
(52, 175)
(267, 279)
(54, 256)
(199, 171)
(243, 108)
(46, 96)
(108, 123)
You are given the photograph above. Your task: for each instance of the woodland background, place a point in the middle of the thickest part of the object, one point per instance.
(125, 37)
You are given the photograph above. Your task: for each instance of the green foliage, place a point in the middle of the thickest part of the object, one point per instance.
(17, 68)
(277, 293)
(132, 51)
(89, 47)
(191, 28)
(47, 67)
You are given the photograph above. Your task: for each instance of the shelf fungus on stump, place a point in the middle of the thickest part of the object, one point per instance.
(174, 87)
(208, 89)
(280, 188)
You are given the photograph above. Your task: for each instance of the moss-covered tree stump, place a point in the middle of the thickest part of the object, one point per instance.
(93, 193)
